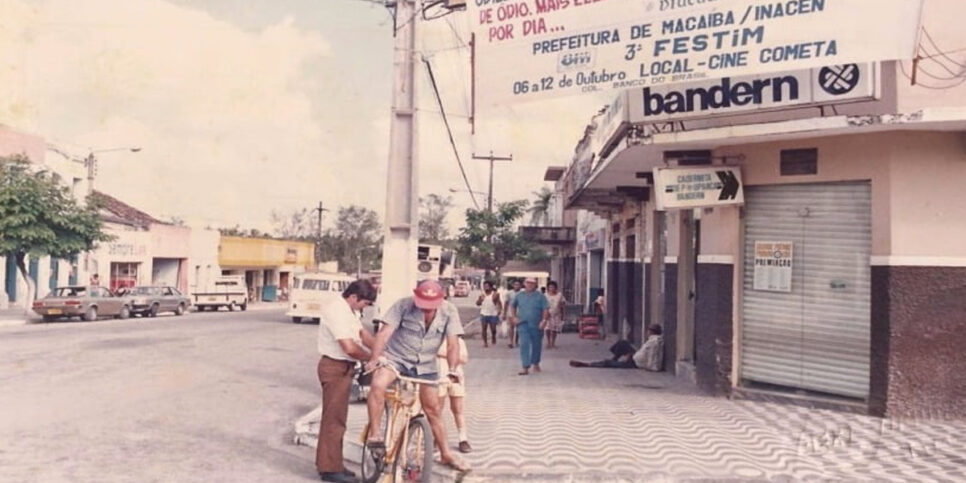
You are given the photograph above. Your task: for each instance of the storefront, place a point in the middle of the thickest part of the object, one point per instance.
(815, 253)
(267, 264)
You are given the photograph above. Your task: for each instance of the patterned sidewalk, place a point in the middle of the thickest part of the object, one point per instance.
(569, 424)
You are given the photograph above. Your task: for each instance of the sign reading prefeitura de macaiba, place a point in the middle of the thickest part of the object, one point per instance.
(534, 49)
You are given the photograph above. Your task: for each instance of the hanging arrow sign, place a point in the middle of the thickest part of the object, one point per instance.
(678, 188)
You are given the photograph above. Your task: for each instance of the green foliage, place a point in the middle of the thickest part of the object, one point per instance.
(433, 211)
(490, 240)
(299, 225)
(39, 216)
(540, 211)
(357, 236)
(237, 230)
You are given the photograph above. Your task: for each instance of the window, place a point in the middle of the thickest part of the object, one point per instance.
(123, 275)
(630, 247)
(321, 285)
(796, 162)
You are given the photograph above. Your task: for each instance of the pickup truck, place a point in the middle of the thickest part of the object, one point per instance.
(225, 291)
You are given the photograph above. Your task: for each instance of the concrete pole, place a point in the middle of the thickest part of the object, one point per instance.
(402, 193)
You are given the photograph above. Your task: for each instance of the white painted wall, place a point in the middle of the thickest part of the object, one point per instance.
(203, 264)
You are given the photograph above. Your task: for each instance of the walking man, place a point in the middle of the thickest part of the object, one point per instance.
(340, 342)
(490, 309)
(511, 330)
(415, 329)
(530, 316)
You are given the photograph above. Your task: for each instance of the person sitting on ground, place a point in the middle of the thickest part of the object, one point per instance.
(650, 357)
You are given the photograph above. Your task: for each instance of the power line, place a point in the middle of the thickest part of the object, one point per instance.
(449, 132)
(940, 51)
(902, 68)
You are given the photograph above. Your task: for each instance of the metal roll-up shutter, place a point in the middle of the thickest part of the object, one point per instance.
(816, 336)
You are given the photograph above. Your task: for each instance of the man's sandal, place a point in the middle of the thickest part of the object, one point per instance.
(455, 464)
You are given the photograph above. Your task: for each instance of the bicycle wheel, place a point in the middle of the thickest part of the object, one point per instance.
(415, 461)
(372, 467)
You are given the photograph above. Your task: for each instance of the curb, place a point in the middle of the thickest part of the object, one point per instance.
(13, 322)
(306, 431)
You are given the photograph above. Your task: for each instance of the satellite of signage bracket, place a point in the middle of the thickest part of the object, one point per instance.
(537, 49)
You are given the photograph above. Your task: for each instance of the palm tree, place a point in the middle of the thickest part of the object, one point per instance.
(540, 210)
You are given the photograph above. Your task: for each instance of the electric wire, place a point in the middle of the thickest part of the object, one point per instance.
(941, 53)
(902, 68)
(449, 132)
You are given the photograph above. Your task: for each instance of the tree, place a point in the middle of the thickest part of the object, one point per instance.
(357, 238)
(237, 230)
(299, 225)
(39, 216)
(433, 211)
(540, 211)
(490, 240)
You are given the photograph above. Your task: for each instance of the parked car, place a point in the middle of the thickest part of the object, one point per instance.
(87, 303)
(462, 289)
(225, 291)
(150, 300)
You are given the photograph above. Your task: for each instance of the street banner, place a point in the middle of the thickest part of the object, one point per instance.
(677, 188)
(536, 49)
(773, 266)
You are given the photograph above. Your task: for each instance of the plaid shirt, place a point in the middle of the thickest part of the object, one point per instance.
(412, 344)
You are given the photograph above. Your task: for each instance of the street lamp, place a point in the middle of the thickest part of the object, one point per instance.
(90, 161)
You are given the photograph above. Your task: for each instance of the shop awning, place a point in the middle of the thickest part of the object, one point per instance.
(645, 151)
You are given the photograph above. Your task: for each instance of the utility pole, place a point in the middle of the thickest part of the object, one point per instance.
(318, 236)
(402, 204)
(90, 162)
(489, 196)
(491, 158)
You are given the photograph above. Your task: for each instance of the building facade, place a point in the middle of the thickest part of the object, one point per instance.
(45, 271)
(827, 262)
(267, 264)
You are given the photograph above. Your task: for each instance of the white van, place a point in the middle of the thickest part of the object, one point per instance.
(542, 278)
(224, 291)
(311, 291)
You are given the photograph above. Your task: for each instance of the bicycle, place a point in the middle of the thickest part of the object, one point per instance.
(408, 436)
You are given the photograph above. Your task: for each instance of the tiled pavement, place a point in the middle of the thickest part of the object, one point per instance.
(569, 424)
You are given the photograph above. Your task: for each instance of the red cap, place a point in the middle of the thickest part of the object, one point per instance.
(428, 294)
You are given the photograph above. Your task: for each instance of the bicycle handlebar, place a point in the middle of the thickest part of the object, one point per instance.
(407, 378)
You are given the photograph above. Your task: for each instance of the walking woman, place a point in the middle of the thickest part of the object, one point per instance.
(557, 303)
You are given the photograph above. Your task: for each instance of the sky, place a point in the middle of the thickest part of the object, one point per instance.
(242, 108)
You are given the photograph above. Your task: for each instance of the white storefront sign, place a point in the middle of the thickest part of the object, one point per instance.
(533, 49)
(731, 95)
(677, 188)
(773, 266)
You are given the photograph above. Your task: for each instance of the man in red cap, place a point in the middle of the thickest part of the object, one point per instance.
(415, 328)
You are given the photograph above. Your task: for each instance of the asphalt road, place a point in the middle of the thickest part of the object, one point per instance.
(203, 397)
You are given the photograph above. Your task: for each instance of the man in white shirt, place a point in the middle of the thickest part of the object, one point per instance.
(341, 341)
